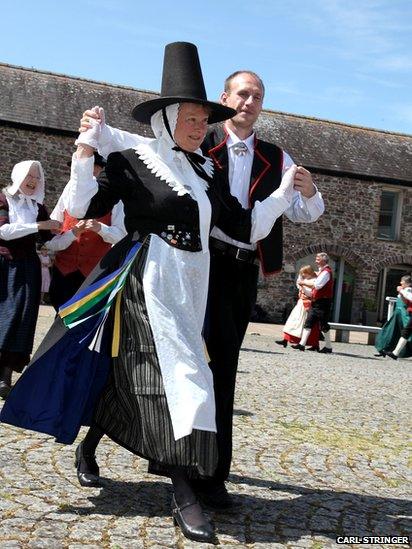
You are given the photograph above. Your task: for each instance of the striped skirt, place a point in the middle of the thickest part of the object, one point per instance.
(20, 281)
(133, 409)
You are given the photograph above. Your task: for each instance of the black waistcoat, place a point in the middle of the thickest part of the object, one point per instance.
(265, 178)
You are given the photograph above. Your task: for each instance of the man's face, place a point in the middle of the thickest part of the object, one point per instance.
(320, 262)
(246, 97)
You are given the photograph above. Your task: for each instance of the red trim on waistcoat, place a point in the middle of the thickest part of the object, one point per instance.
(262, 173)
(267, 167)
(211, 152)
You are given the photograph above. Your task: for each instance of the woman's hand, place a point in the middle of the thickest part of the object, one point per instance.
(92, 225)
(96, 113)
(49, 225)
(90, 130)
(79, 228)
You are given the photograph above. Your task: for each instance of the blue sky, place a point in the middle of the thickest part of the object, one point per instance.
(344, 60)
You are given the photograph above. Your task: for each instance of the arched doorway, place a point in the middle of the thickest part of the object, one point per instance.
(388, 281)
(344, 276)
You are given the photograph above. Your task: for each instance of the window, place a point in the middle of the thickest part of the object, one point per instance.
(389, 215)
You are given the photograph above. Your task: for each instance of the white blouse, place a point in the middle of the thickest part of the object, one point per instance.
(22, 219)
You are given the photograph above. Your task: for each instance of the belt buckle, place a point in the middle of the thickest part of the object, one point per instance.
(239, 252)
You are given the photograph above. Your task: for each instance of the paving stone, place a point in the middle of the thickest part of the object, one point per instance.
(319, 448)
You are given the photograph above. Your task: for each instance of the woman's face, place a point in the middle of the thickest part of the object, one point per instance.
(191, 126)
(31, 181)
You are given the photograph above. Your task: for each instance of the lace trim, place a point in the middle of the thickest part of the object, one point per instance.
(159, 169)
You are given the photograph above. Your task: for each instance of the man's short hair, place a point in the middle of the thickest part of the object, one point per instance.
(229, 79)
(323, 256)
(407, 279)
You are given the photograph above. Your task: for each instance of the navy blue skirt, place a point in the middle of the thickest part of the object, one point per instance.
(20, 283)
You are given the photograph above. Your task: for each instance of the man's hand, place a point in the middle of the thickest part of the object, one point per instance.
(303, 182)
(92, 225)
(79, 228)
(96, 113)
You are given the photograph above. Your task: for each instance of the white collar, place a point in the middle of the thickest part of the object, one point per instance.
(233, 138)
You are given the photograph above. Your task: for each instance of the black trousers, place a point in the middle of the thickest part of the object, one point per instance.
(319, 312)
(63, 287)
(232, 295)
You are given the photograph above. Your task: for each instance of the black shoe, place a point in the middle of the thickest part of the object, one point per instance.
(315, 349)
(4, 390)
(214, 495)
(282, 342)
(87, 469)
(203, 532)
(326, 350)
(392, 356)
(381, 353)
(298, 346)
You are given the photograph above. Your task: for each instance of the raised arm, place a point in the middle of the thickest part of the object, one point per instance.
(109, 139)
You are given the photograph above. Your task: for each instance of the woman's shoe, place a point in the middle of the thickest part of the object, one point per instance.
(315, 349)
(202, 532)
(87, 469)
(282, 342)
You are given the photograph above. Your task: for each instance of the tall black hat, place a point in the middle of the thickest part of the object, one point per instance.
(182, 82)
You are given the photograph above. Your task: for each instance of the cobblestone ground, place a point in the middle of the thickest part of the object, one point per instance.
(320, 451)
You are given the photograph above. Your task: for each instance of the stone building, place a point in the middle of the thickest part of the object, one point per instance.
(365, 176)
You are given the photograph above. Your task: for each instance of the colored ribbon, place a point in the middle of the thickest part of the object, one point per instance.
(96, 301)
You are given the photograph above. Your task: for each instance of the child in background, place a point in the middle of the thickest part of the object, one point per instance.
(45, 263)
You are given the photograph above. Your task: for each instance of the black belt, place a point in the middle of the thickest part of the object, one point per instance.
(241, 254)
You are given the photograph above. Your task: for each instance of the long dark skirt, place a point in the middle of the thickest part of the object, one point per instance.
(20, 283)
(133, 409)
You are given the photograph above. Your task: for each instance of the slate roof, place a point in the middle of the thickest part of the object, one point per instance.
(56, 101)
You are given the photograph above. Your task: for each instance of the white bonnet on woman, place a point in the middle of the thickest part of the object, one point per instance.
(19, 173)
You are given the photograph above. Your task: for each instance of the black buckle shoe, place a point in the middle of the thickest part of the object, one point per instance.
(298, 346)
(282, 342)
(203, 532)
(391, 355)
(87, 469)
(326, 351)
(4, 390)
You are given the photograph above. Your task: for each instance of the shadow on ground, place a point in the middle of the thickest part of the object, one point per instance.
(293, 513)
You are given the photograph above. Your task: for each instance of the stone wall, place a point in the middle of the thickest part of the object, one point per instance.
(39, 116)
(347, 229)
